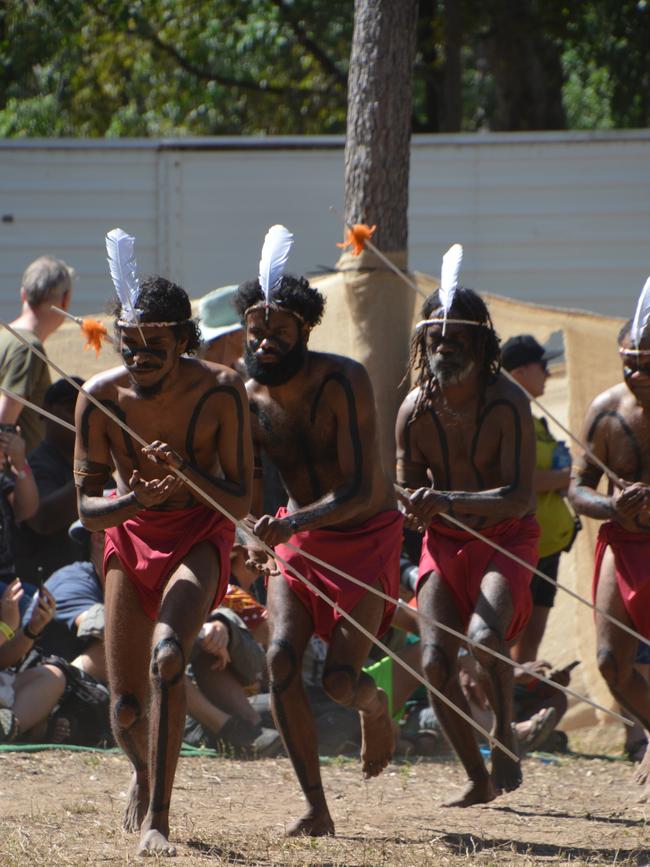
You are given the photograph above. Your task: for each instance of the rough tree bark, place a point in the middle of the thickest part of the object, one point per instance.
(379, 304)
(379, 118)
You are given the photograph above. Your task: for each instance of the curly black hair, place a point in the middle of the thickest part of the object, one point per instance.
(160, 300)
(467, 304)
(294, 294)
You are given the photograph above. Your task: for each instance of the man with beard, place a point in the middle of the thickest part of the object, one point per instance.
(166, 560)
(617, 430)
(314, 415)
(466, 448)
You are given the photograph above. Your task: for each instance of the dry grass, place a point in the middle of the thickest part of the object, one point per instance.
(64, 810)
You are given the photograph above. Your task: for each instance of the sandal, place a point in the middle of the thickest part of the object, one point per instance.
(8, 726)
(542, 724)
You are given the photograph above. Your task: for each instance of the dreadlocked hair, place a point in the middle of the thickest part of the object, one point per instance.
(467, 304)
(160, 300)
(293, 294)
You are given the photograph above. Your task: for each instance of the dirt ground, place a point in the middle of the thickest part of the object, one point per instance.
(64, 808)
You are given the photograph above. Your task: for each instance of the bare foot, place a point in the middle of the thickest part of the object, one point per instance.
(136, 805)
(474, 793)
(377, 742)
(154, 843)
(312, 824)
(506, 774)
(642, 772)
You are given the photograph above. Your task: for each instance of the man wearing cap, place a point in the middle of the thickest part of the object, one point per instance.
(466, 449)
(527, 362)
(617, 431)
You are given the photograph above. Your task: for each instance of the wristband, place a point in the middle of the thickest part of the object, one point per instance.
(6, 630)
(26, 470)
(27, 632)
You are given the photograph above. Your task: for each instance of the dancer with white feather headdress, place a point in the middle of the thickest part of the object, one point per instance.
(314, 416)
(466, 447)
(167, 554)
(617, 430)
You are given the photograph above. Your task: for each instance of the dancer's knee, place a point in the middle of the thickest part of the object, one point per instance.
(489, 638)
(608, 666)
(168, 661)
(437, 666)
(340, 683)
(126, 711)
(282, 663)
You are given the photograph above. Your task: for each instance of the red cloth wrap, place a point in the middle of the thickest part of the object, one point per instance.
(370, 552)
(632, 563)
(152, 543)
(462, 560)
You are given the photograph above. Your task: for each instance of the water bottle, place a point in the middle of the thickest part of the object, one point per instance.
(561, 456)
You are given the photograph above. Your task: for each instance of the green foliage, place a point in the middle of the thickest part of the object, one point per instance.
(254, 67)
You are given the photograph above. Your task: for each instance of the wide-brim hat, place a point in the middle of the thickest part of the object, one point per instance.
(217, 314)
(524, 349)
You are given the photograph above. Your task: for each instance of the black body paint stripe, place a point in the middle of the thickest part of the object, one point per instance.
(278, 689)
(627, 430)
(236, 488)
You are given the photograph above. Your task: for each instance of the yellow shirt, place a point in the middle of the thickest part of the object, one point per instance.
(553, 514)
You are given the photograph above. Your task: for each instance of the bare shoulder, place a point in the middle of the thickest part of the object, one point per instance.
(408, 405)
(611, 400)
(210, 373)
(103, 384)
(503, 389)
(326, 364)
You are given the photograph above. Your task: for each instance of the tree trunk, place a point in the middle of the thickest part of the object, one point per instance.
(527, 68)
(379, 118)
(379, 304)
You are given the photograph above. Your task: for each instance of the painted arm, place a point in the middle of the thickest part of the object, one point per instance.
(349, 394)
(585, 498)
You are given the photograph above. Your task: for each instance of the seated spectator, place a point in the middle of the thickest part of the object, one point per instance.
(26, 697)
(76, 632)
(18, 502)
(42, 541)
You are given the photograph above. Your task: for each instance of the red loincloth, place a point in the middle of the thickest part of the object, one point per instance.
(151, 544)
(370, 552)
(632, 562)
(462, 560)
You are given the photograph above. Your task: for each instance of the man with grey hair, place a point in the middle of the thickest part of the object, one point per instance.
(46, 282)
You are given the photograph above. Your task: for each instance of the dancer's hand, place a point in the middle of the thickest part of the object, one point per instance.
(272, 531)
(422, 505)
(162, 453)
(155, 491)
(627, 503)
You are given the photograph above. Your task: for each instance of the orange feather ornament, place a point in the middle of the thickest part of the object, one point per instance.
(94, 332)
(356, 237)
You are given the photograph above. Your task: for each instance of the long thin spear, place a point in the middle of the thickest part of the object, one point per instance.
(395, 601)
(242, 526)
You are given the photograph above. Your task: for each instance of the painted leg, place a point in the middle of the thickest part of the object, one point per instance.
(291, 628)
(440, 667)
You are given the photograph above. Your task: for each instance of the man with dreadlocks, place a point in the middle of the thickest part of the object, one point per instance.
(466, 448)
(167, 555)
(314, 416)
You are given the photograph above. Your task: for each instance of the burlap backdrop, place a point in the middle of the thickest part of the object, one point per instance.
(369, 316)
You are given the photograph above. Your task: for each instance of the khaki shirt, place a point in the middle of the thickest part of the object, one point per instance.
(27, 376)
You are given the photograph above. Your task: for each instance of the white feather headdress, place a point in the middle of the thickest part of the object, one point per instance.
(275, 253)
(641, 321)
(121, 261)
(449, 272)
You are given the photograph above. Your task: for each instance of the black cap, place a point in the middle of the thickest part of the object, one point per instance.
(62, 391)
(524, 349)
